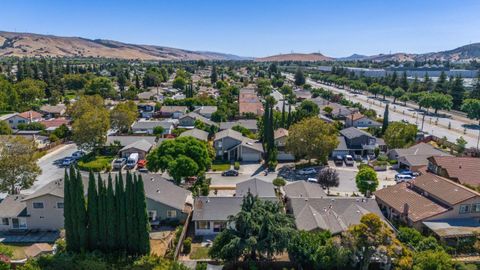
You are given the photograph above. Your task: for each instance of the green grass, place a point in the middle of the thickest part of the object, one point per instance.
(221, 166)
(95, 163)
(199, 253)
(18, 250)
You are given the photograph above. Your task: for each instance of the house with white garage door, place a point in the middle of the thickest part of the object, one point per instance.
(231, 145)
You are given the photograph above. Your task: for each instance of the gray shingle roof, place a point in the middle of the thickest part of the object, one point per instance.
(152, 124)
(216, 208)
(196, 133)
(54, 188)
(353, 132)
(303, 189)
(163, 191)
(229, 133)
(256, 187)
(205, 109)
(332, 214)
(126, 140)
(250, 124)
(342, 144)
(13, 206)
(200, 118)
(140, 145)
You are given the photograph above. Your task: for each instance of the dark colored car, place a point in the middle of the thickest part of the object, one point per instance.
(230, 173)
(338, 160)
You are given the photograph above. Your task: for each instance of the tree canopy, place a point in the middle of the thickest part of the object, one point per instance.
(399, 134)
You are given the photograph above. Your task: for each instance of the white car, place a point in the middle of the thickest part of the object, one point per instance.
(312, 180)
(78, 154)
(399, 178)
(68, 161)
(307, 171)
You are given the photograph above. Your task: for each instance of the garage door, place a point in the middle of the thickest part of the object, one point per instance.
(250, 157)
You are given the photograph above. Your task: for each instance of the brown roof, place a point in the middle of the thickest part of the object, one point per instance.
(443, 189)
(356, 116)
(30, 115)
(419, 207)
(56, 122)
(279, 133)
(38, 249)
(465, 170)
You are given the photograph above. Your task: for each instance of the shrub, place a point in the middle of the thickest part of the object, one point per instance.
(236, 166)
(95, 163)
(53, 137)
(187, 245)
(279, 182)
(201, 266)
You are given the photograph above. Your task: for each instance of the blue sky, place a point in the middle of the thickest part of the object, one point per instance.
(257, 28)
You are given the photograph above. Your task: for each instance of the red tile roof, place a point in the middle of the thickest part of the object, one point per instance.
(465, 170)
(56, 122)
(30, 115)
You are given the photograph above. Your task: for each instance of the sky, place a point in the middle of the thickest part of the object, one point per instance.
(257, 28)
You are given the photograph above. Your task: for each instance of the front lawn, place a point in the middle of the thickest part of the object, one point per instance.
(199, 252)
(94, 163)
(221, 166)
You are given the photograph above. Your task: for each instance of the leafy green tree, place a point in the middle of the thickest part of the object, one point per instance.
(472, 108)
(457, 91)
(404, 99)
(414, 86)
(18, 164)
(386, 92)
(74, 81)
(461, 145)
(181, 167)
(261, 230)
(279, 182)
(214, 75)
(179, 83)
(366, 180)
(397, 93)
(439, 101)
(143, 237)
(299, 77)
(75, 212)
(327, 178)
(432, 260)
(110, 215)
(307, 109)
(375, 89)
(123, 115)
(5, 128)
(29, 91)
(400, 135)
(312, 138)
(264, 87)
(100, 86)
(476, 89)
(441, 86)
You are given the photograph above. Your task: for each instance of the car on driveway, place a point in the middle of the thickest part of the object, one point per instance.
(141, 164)
(338, 160)
(408, 172)
(399, 178)
(312, 180)
(119, 163)
(349, 160)
(68, 161)
(78, 154)
(307, 171)
(230, 173)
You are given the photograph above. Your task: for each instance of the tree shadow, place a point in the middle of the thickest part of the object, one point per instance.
(471, 126)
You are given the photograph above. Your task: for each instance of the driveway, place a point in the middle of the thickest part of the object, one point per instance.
(247, 171)
(51, 171)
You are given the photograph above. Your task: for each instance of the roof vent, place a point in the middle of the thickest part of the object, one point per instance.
(158, 190)
(152, 179)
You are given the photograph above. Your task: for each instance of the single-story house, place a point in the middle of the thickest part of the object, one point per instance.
(250, 124)
(146, 110)
(13, 213)
(359, 120)
(15, 119)
(248, 102)
(196, 133)
(188, 120)
(416, 156)
(231, 145)
(174, 112)
(54, 123)
(53, 111)
(205, 111)
(147, 126)
(256, 187)
(142, 147)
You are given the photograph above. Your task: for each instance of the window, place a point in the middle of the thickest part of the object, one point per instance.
(476, 207)
(464, 208)
(152, 215)
(203, 225)
(218, 226)
(171, 213)
(5, 221)
(38, 205)
(60, 205)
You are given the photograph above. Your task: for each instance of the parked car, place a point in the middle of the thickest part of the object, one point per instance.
(230, 173)
(132, 160)
(399, 178)
(349, 160)
(143, 170)
(78, 154)
(119, 163)
(68, 161)
(307, 171)
(338, 160)
(312, 180)
(408, 172)
(141, 164)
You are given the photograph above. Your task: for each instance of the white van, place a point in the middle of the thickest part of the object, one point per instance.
(312, 180)
(399, 178)
(132, 160)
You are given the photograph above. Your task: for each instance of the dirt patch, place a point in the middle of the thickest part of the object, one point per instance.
(159, 243)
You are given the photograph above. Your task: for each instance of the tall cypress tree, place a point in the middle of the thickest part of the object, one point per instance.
(110, 215)
(135, 227)
(129, 215)
(81, 212)
(102, 230)
(92, 211)
(385, 120)
(67, 213)
(121, 215)
(142, 215)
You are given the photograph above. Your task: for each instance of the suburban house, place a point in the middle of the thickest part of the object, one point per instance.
(463, 170)
(432, 203)
(174, 112)
(165, 202)
(205, 111)
(416, 156)
(133, 144)
(314, 211)
(339, 111)
(248, 102)
(231, 145)
(354, 141)
(151, 94)
(13, 213)
(302, 94)
(148, 126)
(15, 119)
(54, 123)
(146, 110)
(359, 120)
(250, 124)
(280, 137)
(53, 111)
(196, 133)
(188, 120)
(211, 213)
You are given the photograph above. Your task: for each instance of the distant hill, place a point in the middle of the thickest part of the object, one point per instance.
(304, 57)
(31, 45)
(353, 57)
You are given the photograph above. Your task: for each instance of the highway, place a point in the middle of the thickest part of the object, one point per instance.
(437, 126)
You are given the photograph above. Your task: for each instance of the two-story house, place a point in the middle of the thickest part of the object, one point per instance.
(15, 119)
(354, 141)
(463, 170)
(432, 203)
(359, 120)
(231, 145)
(188, 120)
(13, 213)
(280, 138)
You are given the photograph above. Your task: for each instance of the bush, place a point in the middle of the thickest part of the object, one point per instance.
(279, 182)
(236, 166)
(201, 266)
(393, 162)
(187, 245)
(95, 163)
(53, 138)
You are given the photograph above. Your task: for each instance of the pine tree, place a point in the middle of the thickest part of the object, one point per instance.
(92, 211)
(142, 215)
(457, 92)
(385, 120)
(404, 81)
(110, 216)
(80, 212)
(441, 85)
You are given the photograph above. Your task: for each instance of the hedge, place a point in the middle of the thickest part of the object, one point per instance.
(95, 163)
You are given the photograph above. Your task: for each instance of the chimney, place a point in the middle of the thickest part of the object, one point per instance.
(405, 209)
